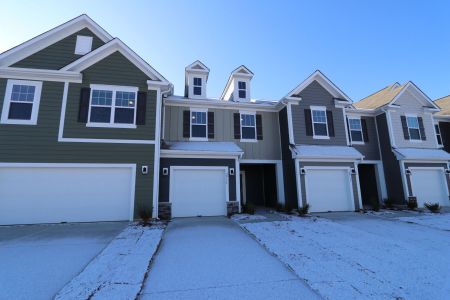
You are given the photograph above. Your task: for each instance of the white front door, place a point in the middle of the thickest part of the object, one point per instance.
(429, 186)
(56, 193)
(329, 190)
(198, 191)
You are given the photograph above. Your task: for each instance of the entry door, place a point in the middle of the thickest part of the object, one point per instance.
(429, 185)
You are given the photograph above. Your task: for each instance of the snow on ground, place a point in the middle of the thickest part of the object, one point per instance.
(119, 270)
(247, 217)
(363, 257)
(437, 221)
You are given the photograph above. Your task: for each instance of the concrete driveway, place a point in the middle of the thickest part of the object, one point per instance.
(36, 261)
(213, 258)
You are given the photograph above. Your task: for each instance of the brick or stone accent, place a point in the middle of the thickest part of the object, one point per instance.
(232, 207)
(165, 210)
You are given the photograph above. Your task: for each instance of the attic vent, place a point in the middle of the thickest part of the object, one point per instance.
(83, 45)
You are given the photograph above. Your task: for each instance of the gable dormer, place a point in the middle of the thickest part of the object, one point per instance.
(196, 77)
(238, 85)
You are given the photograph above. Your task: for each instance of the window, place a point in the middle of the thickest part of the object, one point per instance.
(112, 106)
(355, 130)
(83, 45)
(248, 126)
(413, 127)
(198, 125)
(197, 86)
(242, 89)
(21, 102)
(319, 119)
(438, 134)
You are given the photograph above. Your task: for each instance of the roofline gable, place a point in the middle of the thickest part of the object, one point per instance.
(235, 72)
(323, 81)
(50, 37)
(197, 62)
(106, 50)
(411, 85)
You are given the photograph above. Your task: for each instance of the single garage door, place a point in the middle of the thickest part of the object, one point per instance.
(329, 190)
(199, 191)
(62, 193)
(429, 185)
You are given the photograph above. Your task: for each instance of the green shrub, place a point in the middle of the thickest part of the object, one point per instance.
(433, 207)
(375, 203)
(145, 214)
(388, 203)
(302, 211)
(412, 203)
(288, 208)
(249, 208)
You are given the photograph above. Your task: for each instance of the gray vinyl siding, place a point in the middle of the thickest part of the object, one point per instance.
(112, 70)
(330, 164)
(426, 165)
(391, 165)
(370, 149)
(315, 94)
(268, 148)
(164, 180)
(59, 54)
(408, 104)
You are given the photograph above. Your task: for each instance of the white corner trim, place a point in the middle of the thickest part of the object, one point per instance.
(298, 183)
(358, 186)
(404, 179)
(290, 125)
(346, 126)
(157, 154)
(40, 74)
(390, 129)
(237, 175)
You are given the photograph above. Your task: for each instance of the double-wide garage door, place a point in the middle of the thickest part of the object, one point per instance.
(429, 185)
(329, 190)
(33, 194)
(198, 191)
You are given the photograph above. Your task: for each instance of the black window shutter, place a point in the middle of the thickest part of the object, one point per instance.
(405, 128)
(83, 110)
(141, 108)
(210, 124)
(259, 129)
(237, 126)
(186, 124)
(364, 130)
(422, 129)
(308, 122)
(330, 123)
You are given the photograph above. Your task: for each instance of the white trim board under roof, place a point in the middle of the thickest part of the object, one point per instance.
(241, 71)
(50, 37)
(323, 81)
(108, 49)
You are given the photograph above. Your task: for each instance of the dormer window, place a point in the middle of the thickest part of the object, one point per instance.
(197, 86)
(242, 89)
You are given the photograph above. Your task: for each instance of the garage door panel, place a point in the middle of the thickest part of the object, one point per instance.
(329, 190)
(32, 195)
(429, 185)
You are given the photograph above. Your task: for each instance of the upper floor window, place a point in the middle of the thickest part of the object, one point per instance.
(248, 126)
(83, 44)
(112, 106)
(197, 86)
(319, 120)
(356, 132)
(242, 89)
(199, 125)
(21, 103)
(413, 128)
(438, 134)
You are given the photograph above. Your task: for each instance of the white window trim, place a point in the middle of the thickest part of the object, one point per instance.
(253, 113)
(198, 139)
(350, 131)
(7, 102)
(114, 89)
(319, 137)
(418, 128)
(436, 134)
(79, 45)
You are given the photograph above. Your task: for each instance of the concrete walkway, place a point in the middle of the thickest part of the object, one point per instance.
(213, 258)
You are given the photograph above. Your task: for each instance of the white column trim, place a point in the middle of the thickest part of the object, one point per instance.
(157, 153)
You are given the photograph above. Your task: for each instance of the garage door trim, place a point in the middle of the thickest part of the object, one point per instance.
(83, 165)
(428, 168)
(350, 183)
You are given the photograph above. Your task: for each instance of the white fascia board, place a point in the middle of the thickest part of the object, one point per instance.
(201, 154)
(41, 74)
(220, 104)
(190, 67)
(50, 37)
(108, 49)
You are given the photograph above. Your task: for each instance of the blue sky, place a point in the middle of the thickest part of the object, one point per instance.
(360, 46)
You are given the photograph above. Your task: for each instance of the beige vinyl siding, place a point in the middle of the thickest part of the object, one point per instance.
(59, 54)
(409, 105)
(269, 148)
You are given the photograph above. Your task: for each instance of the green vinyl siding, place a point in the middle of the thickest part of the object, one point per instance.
(112, 70)
(59, 54)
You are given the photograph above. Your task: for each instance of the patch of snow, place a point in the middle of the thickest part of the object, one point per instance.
(346, 261)
(247, 217)
(119, 270)
(436, 221)
(316, 151)
(420, 153)
(203, 146)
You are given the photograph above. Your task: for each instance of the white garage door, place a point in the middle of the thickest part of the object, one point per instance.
(61, 193)
(198, 191)
(329, 190)
(429, 185)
